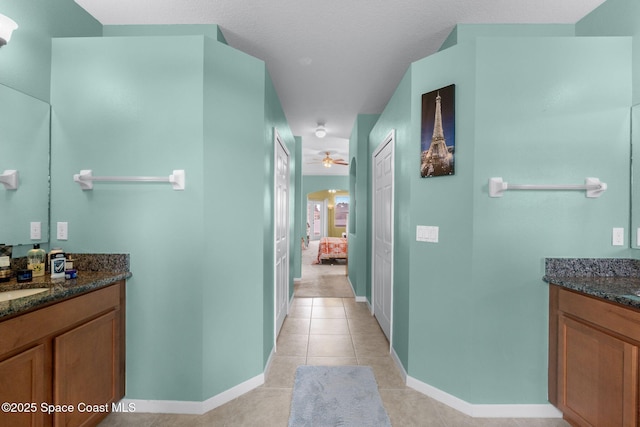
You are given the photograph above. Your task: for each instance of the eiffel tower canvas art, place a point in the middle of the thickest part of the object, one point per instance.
(438, 133)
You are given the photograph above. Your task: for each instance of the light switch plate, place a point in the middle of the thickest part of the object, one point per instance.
(427, 233)
(617, 236)
(35, 230)
(63, 231)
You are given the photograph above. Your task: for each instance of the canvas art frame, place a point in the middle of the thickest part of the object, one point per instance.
(437, 136)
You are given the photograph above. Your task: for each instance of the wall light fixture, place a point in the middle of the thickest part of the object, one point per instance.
(7, 25)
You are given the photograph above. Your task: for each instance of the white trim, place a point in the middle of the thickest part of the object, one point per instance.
(389, 139)
(277, 141)
(297, 279)
(190, 407)
(485, 410)
(476, 411)
(396, 359)
(352, 288)
(357, 298)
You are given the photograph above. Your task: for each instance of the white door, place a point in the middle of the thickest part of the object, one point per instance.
(382, 263)
(281, 230)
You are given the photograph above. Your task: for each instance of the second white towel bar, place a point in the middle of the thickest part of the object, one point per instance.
(592, 186)
(86, 179)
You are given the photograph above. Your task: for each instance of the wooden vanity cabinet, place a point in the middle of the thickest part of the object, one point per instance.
(69, 354)
(593, 359)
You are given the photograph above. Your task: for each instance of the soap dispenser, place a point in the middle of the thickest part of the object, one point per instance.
(36, 260)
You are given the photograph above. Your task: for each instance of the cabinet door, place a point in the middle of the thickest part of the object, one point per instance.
(597, 376)
(86, 363)
(22, 380)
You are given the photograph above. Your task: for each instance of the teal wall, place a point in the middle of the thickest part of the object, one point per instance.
(397, 118)
(26, 61)
(124, 106)
(470, 312)
(115, 112)
(236, 139)
(275, 119)
(616, 18)
(622, 18)
(359, 235)
(312, 183)
(576, 94)
(439, 275)
(469, 32)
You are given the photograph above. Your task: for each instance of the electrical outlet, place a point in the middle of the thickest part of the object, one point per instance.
(63, 231)
(617, 236)
(35, 230)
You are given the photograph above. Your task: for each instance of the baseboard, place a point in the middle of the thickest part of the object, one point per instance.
(194, 408)
(485, 410)
(396, 359)
(352, 288)
(297, 279)
(477, 411)
(358, 299)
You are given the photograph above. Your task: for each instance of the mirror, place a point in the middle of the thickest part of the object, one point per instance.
(24, 146)
(635, 176)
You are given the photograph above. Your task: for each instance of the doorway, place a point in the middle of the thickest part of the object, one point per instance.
(382, 232)
(324, 274)
(316, 214)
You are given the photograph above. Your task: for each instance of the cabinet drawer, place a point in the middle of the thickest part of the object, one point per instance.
(622, 320)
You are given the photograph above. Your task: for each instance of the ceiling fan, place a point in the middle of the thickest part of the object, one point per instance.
(328, 161)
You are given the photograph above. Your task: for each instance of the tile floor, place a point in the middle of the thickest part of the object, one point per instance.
(327, 331)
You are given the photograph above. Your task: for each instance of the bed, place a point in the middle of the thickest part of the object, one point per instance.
(332, 248)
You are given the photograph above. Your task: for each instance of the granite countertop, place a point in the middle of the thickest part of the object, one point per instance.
(95, 272)
(616, 280)
(59, 289)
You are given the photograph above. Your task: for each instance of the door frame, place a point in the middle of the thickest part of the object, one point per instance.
(390, 139)
(277, 141)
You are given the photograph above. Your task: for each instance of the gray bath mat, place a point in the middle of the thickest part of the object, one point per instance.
(334, 396)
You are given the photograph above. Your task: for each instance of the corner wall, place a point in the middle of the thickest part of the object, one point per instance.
(470, 312)
(123, 106)
(359, 227)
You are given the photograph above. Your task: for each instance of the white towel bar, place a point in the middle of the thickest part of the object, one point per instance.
(86, 179)
(592, 186)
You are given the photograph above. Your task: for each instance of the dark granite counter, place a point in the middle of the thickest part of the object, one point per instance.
(95, 272)
(616, 280)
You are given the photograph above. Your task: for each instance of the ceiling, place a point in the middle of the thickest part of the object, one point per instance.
(335, 59)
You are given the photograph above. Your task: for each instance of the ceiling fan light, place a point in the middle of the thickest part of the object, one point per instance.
(321, 132)
(326, 163)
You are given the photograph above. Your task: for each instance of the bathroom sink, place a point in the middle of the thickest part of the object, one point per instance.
(19, 293)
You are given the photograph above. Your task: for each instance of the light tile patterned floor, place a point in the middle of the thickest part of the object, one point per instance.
(327, 331)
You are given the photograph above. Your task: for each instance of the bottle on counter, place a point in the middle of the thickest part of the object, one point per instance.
(5, 262)
(36, 260)
(57, 263)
